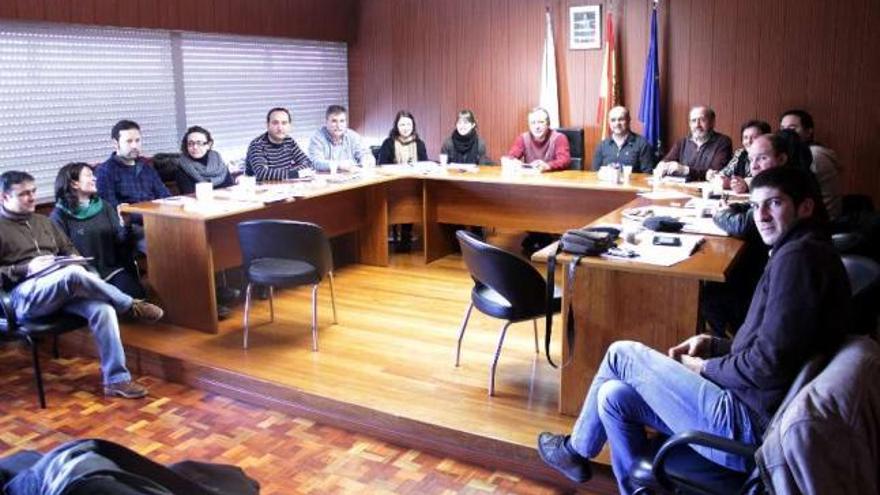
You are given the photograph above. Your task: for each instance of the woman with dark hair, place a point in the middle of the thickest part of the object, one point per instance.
(464, 145)
(95, 228)
(403, 144)
(199, 163)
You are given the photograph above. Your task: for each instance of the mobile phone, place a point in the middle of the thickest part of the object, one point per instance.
(666, 240)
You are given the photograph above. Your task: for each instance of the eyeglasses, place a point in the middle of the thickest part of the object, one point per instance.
(198, 143)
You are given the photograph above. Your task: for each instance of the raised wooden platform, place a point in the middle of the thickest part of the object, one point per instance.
(387, 369)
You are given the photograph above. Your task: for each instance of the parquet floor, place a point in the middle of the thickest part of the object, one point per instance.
(287, 455)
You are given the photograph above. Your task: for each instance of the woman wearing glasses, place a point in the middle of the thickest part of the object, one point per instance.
(199, 163)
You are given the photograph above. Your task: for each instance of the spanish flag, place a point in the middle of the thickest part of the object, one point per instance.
(609, 87)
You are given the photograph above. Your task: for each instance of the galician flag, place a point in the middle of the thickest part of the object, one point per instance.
(549, 97)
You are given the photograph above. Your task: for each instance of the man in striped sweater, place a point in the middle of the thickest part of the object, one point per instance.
(274, 155)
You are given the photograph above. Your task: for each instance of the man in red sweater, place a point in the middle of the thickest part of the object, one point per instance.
(542, 147)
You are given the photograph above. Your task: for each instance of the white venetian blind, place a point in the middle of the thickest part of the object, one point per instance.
(231, 82)
(62, 87)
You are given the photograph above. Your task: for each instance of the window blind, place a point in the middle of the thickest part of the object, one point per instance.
(231, 82)
(62, 87)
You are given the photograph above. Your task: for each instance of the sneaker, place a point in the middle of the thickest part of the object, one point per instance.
(145, 311)
(558, 454)
(126, 390)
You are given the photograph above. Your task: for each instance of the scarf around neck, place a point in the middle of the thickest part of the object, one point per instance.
(406, 152)
(466, 148)
(83, 212)
(214, 172)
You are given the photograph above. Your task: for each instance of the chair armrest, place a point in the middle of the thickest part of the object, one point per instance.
(701, 438)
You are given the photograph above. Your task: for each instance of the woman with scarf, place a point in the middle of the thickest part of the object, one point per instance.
(95, 228)
(403, 146)
(464, 145)
(199, 163)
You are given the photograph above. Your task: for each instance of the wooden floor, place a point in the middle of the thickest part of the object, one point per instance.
(386, 369)
(285, 454)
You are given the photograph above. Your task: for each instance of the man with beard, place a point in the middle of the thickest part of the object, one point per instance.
(703, 150)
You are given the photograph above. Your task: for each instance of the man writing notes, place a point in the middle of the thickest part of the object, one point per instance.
(38, 286)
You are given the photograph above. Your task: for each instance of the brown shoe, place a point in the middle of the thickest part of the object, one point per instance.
(145, 311)
(126, 390)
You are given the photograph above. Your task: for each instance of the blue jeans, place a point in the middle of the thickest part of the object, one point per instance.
(75, 290)
(636, 387)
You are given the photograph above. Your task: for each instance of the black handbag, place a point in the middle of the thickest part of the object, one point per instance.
(590, 241)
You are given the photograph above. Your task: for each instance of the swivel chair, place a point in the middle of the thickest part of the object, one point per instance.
(575, 137)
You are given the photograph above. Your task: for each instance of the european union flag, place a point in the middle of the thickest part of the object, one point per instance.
(649, 111)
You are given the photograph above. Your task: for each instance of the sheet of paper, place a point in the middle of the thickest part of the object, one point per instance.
(650, 254)
(664, 194)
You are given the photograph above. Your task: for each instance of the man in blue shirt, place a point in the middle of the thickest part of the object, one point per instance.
(334, 145)
(126, 177)
(624, 146)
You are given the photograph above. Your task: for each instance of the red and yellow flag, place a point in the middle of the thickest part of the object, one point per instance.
(609, 87)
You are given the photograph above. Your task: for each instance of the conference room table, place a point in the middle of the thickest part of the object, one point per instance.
(188, 241)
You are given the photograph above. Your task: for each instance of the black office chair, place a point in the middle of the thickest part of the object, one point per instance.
(677, 468)
(505, 287)
(864, 281)
(285, 253)
(575, 137)
(31, 331)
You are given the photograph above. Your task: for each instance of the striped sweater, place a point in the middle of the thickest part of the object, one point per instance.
(269, 161)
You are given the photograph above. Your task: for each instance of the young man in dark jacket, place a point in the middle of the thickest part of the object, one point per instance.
(800, 308)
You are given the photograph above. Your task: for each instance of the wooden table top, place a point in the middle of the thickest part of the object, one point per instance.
(711, 262)
(188, 208)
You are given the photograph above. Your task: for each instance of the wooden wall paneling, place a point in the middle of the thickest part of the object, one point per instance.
(747, 50)
(723, 69)
(434, 38)
(200, 14)
(849, 33)
(148, 13)
(820, 47)
(593, 73)
(222, 20)
(107, 12)
(633, 24)
(58, 10)
(30, 9)
(9, 9)
(699, 74)
(559, 18)
(83, 12)
(677, 70)
(863, 174)
(576, 71)
(773, 48)
(168, 14)
(442, 77)
(129, 15)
